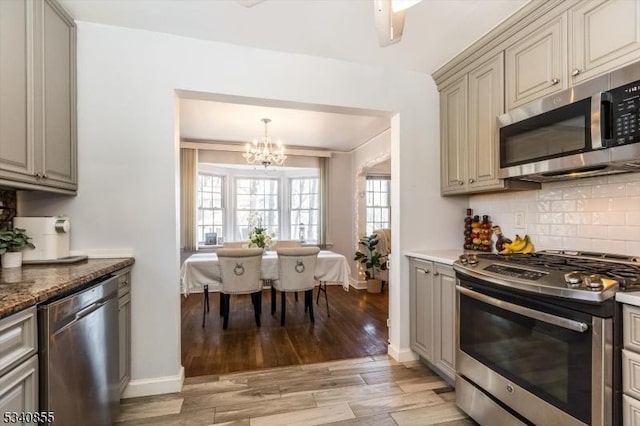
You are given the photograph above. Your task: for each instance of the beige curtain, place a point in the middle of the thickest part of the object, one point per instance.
(324, 200)
(189, 177)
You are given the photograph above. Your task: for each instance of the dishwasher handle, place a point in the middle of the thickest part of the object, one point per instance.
(81, 314)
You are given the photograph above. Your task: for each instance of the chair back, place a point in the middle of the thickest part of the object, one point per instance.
(234, 244)
(296, 268)
(240, 270)
(286, 244)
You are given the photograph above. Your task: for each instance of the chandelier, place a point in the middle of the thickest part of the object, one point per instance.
(262, 151)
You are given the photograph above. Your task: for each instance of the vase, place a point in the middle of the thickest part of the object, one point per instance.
(374, 286)
(11, 259)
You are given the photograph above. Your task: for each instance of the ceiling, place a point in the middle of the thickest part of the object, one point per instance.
(434, 32)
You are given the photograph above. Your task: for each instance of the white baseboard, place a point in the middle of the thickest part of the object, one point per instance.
(154, 386)
(402, 355)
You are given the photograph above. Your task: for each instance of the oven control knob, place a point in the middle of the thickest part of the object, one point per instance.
(573, 279)
(473, 260)
(463, 259)
(593, 282)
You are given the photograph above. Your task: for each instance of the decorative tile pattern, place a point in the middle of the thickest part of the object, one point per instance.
(599, 214)
(336, 393)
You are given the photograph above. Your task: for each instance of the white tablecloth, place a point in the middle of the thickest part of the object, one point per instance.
(202, 268)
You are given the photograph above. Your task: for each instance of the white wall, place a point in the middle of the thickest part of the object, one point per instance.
(595, 214)
(128, 163)
(340, 211)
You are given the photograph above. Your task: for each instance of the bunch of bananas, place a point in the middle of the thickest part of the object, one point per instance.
(519, 245)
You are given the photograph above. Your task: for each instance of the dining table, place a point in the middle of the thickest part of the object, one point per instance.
(202, 269)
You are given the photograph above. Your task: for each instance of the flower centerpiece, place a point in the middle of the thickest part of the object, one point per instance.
(258, 236)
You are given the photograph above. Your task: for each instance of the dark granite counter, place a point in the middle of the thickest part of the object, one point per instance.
(23, 287)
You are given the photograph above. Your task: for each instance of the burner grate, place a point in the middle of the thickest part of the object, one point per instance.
(628, 276)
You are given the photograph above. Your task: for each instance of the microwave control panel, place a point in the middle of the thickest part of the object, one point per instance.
(626, 114)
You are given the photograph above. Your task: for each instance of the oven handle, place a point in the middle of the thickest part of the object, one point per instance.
(527, 312)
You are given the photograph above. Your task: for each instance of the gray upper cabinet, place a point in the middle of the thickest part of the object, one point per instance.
(453, 133)
(486, 102)
(16, 86)
(38, 113)
(536, 65)
(604, 35)
(469, 106)
(544, 47)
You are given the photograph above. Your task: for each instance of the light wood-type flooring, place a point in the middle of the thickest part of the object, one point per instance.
(372, 390)
(334, 371)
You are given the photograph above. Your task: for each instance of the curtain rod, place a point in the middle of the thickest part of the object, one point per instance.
(212, 146)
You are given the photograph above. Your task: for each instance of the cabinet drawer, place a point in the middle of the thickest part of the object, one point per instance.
(18, 339)
(124, 282)
(631, 326)
(631, 373)
(630, 411)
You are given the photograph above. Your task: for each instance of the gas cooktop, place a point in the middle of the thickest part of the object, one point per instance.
(588, 276)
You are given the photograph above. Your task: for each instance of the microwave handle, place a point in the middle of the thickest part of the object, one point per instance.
(601, 120)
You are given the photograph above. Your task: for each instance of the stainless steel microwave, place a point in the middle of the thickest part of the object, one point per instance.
(588, 130)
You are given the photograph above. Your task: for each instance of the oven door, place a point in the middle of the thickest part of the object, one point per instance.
(540, 360)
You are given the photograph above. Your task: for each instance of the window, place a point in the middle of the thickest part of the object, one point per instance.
(378, 203)
(210, 209)
(257, 195)
(304, 209)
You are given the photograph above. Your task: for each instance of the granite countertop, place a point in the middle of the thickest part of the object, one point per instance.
(21, 288)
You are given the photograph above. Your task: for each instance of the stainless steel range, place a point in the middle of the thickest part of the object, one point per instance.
(537, 334)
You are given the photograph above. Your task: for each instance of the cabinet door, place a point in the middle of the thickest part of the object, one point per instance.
(536, 65)
(630, 411)
(124, 339)
(421, 311)
(486, 103)
(55, 126)
(19, 389)
(16, 65)
(604, 35)
(445, 347)
(453, 137)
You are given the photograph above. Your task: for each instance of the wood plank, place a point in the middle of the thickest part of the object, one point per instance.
(356, 329)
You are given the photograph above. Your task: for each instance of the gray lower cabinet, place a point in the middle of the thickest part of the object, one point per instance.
(124, 325)
(433, 315)
(19, 366)
(631, 366)
(38, 102)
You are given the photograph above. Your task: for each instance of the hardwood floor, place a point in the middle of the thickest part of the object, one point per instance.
(356, 328)
(373, 390)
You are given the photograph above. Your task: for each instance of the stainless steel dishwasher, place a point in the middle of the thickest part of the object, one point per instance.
(79, 356)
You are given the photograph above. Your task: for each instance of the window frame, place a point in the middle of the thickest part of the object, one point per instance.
(213, 209)
(294, 233)
(377, 224)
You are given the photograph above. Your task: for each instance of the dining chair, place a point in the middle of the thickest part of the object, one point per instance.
(296, 272)
(240, 274)
(276, 245)
(234, 244)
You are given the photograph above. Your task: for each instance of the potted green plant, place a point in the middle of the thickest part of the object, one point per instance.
(12, 242)
(373, 262)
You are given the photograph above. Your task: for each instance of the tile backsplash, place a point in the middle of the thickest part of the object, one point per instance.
(597, 214)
